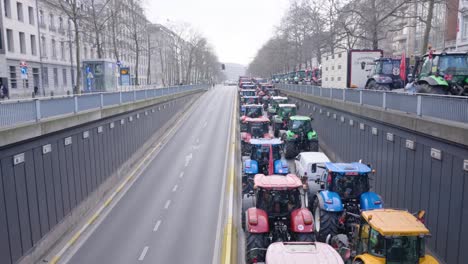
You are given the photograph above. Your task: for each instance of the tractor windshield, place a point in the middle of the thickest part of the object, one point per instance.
(350, 186)
(253, 112)
(453, 64)
(262, 153)
(248, 93)
(278, 203)
(301, 74)
(405, 249)
(289, 111)
(300, 125)
(389, 67)
(258, 129)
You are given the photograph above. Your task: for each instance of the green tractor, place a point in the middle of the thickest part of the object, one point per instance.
(442, 73)
(300, 136)
(275, 101)
(280, 120)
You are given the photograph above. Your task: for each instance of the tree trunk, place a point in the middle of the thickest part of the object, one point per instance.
(77, 89)
(375, 27)
(428, 25)
(114, 35)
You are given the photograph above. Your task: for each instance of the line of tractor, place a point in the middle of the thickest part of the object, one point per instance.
(316, 211)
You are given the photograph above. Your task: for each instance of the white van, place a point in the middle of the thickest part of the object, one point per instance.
(311, 163)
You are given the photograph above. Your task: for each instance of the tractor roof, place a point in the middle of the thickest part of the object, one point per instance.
(287, 105)
(279, 98)
(266, 141)
(390, 222)
(277, 182)
(261, 119)
(300, 118)
(250, 96)
(248, 90)
(345, 168)
(252, 105)
(302, 252)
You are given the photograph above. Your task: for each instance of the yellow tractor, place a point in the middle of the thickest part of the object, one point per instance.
(390, 236)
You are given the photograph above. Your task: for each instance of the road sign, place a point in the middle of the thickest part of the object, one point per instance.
(125, 76)
(24, 70)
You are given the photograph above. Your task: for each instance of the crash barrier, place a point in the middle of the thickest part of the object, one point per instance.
(50, 181)
(14, 113)
(454, 108)
(414, 171)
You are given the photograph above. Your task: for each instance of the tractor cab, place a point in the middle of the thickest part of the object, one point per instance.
(300, 77)
(283, 113)
(264, 153)
(250, 100)
(344, 192)
(385, 74)
(390, 236)
(251, 110)
(253, 128)
(247, 92)
(275, 101)
(299, 136)
(279, 213)
(442, 73)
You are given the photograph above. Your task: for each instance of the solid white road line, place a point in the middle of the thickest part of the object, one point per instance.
(143, 254)
(181, 175)
(175, 188)
(157, 226)
(167, 204)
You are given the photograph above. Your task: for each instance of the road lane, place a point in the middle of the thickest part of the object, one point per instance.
(171, 224)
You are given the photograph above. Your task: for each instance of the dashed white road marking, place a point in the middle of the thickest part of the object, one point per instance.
(205, 124)
(167, 204)
(156, 227)
(175, 188)
(143, 253)
(188, 158)
(181, 175)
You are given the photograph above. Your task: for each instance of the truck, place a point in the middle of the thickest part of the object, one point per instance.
(348, 69)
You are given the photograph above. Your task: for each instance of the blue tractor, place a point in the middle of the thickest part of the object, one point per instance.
(265, 158)
(344, 193)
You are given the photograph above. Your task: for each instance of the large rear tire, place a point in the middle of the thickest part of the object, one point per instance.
(254, 242)
(326, 223)
(426, 88)
(290, 150)
(314, 145)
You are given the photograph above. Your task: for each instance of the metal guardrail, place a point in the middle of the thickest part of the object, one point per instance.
(452, 108)
(17, 112)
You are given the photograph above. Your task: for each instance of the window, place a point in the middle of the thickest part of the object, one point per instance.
(339, 67)
(41, 18)
(10, 43)
(43, 47)
(13, 82)
(33, 45)
(465, 27)
(338, 78)
(45, 76)
(55, 77)
(62, 50)
(64, 76)
(60, 23)
(31, 15)
(22, 39)
(1, 40)
(339, 55)
(7, 8)
(19, 11)
(51, 21)
(54, 49)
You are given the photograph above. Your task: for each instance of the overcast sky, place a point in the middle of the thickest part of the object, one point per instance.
(236, 28)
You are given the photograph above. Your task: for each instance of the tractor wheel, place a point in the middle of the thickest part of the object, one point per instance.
(305, 237)
(290, 150)
(256, 245)
(314, 145)
(372, 85)
(426, 88)
(243, 220)
(326, 223)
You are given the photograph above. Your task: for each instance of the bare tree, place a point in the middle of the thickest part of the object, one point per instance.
(100, 13)
(136, 26)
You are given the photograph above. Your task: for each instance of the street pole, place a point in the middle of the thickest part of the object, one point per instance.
(40, 48)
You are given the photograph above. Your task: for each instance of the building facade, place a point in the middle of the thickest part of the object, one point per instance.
(38, 52)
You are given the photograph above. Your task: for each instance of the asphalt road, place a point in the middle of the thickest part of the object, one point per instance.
(170, 214)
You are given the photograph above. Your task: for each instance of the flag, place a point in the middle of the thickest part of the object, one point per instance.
(270, 162)
(403, 67)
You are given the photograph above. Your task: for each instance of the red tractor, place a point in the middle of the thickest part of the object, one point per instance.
(253, 128)
(276, 211)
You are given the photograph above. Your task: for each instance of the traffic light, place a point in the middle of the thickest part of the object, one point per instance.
(223, 67)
